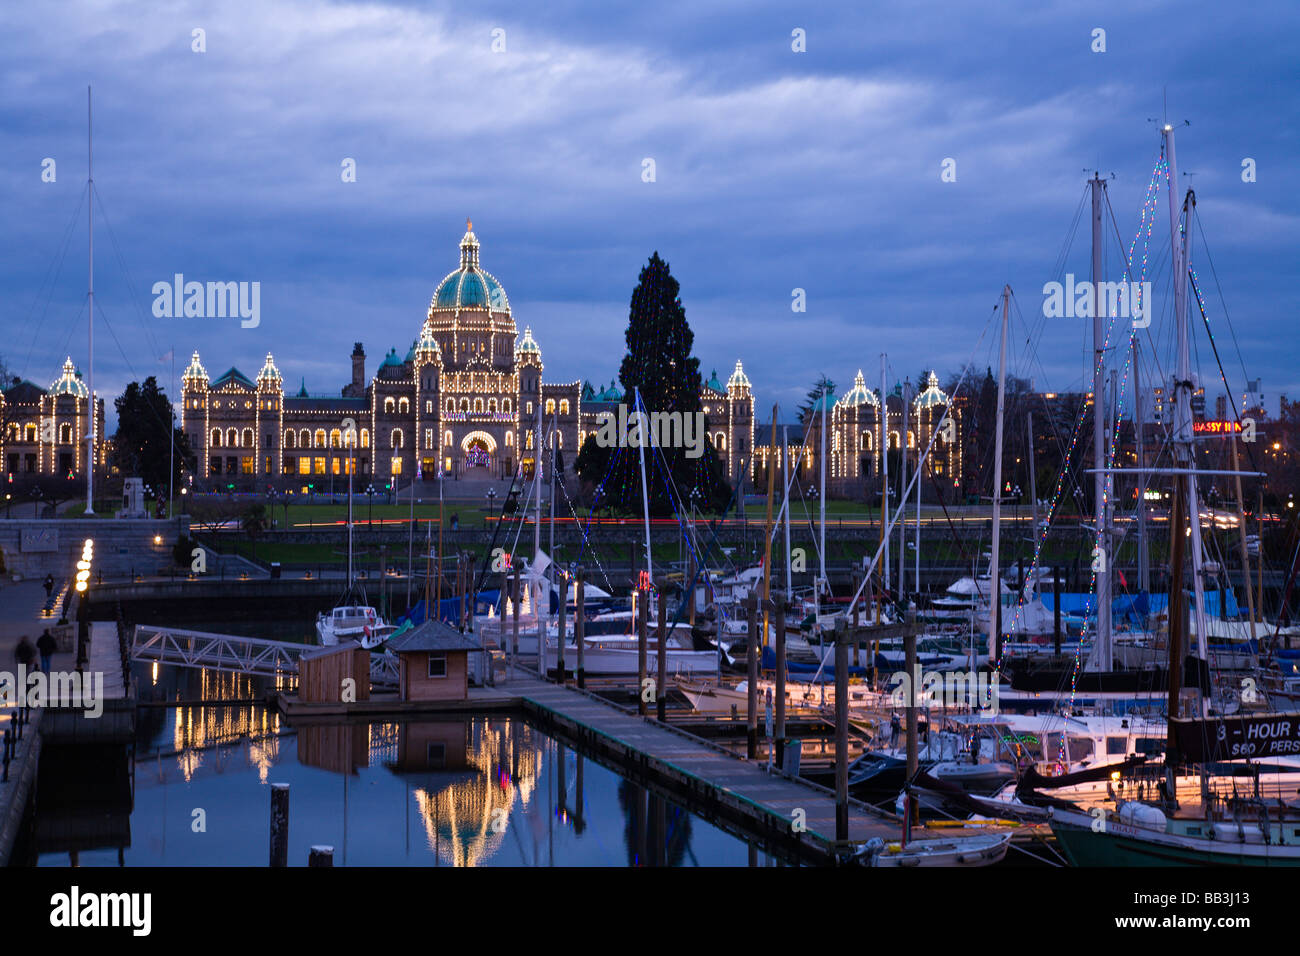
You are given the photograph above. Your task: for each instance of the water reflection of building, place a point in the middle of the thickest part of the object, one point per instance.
(338, 748)
(467, 778)
(200, 731)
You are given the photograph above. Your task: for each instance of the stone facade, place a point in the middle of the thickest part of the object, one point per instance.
(465, 400)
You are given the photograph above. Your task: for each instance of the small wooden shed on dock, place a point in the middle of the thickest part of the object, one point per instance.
(433, 662)
(322, 671)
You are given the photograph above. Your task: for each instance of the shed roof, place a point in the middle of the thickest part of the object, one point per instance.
(433, 636)
(317, 652)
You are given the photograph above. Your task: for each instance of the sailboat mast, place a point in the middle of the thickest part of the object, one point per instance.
(995, 577)
(902, 490)
(644, 421)
(821, 549)
(1182, 432)
(884, 479)
(349, 440)
(767, 525)
(1144, 561)
(1102, 659)
(785, 474)
(90, 346)
(1033, 498)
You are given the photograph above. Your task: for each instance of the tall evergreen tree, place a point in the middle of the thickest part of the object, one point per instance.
(140, 445)
(660, 366)
(823, 386)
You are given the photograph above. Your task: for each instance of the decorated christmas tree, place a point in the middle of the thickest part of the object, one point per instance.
(659, 366)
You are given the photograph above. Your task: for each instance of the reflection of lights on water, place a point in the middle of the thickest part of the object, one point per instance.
(459, 819)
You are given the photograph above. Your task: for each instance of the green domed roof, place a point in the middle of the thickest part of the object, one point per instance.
(469, 287)
(714, 384)
(69, 383)
(391, 360)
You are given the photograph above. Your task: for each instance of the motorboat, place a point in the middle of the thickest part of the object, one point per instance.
(352, 622)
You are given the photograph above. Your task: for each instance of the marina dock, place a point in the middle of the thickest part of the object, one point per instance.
(793, 816)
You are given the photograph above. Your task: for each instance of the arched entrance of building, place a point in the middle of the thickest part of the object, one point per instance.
(478, 451)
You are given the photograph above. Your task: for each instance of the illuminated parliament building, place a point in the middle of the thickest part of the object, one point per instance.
(464, 399)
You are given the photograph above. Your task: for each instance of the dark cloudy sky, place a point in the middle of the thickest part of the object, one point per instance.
(775, 170)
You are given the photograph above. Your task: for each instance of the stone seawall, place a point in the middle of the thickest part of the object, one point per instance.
(35, 547)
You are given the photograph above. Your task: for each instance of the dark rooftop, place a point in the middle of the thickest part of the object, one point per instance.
(433, 636)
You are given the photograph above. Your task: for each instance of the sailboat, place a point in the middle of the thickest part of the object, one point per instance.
(352, 618)
(1240, 827)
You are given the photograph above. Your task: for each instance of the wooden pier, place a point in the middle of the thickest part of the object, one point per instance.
(791, 814)
(793, 817)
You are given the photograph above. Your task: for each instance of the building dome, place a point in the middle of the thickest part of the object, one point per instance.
(933, 394)
(195, 375)
(713, 384)
(270, 375)
(738, 378)
(859, 394)
(69, 383)
(527, 345)
(427, 349)
(469, 287)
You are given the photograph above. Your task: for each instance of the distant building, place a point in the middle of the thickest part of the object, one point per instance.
(853, 446)
(44, 431)
(464, 399)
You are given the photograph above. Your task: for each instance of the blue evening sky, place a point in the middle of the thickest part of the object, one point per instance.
(775, 170)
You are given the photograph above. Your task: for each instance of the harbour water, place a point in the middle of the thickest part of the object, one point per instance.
(475, 791)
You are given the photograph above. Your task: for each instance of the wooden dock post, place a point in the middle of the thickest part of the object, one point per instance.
(279, 824)
(320, 856)
(909, 653)
(751, 656)
(580, 626)
(560, 629)
(643, 612)
(842, 634)
(518, 595)
(779, 739)
(661, 677)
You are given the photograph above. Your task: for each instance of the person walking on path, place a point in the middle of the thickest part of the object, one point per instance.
(25, 653)
(47, 645)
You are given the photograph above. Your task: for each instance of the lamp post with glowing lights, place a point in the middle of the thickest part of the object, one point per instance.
(83, 604)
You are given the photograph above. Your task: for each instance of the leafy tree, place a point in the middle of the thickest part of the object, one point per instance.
(141, 444)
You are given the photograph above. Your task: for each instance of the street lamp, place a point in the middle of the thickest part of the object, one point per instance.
(370, 503)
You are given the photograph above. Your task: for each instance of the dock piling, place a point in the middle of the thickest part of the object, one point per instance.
(279, 824)
(751, 657)
(661, 689)
(580, 626)
(320, 856)
(560, 629)
(779, 741)
(643, 611)
(842, 731)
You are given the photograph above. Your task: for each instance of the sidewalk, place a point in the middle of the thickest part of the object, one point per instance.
(20, 613)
